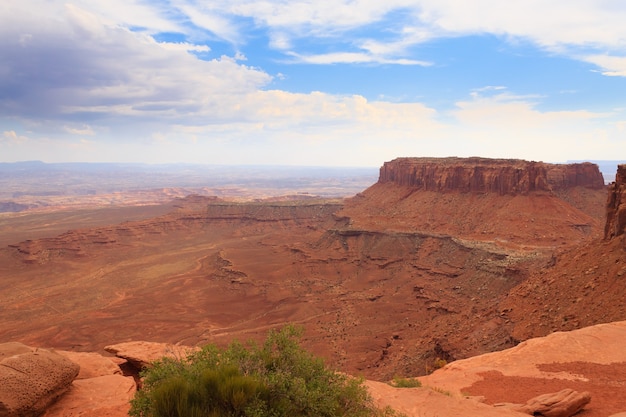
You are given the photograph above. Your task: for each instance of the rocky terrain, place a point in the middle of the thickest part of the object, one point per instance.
(438, 261)
(589, 362)
(582, 372)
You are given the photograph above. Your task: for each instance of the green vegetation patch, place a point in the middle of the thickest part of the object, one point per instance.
(278, 378)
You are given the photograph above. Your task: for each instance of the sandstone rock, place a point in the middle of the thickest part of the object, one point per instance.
(616, 206)
(502, 176)
(31, 381)
(564, 403)
(142, 354)
(590, 359)
(92, 364)
(600, 344)
(424, 402)
(103, 396)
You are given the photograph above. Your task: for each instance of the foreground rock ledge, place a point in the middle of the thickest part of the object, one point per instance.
(142, 354)
(32, 379)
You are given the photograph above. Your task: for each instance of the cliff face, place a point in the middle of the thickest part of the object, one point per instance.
(616, 205)
(502, 176)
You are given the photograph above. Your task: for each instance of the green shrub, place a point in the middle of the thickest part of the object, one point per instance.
(278, 378)
(220, 392)
(399, 382)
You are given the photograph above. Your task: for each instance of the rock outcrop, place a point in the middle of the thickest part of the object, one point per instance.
(92, 364)
(480, 175)
(557, 375)
(579, 360)
(141, 354)
(32, 379)
(103, 396)
(100, 389)
(616, 206)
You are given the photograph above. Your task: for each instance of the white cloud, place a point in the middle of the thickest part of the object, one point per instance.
(313, 18)
(354, 58)
(562, 26)
(506, 125)
(109, 70)
(558, 22)
(280, 40)
(12, 138)
(211, 19)
(151, 17)
(610, 65)
(184, 46)
(509, 112)
(82, 130)
(488, 88)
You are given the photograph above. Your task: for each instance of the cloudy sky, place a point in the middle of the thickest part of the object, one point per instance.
(311, 82)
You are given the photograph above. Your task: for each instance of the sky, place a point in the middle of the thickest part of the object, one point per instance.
(311, 82)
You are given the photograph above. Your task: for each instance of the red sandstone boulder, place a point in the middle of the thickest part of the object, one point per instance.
(564, 403)
(32, 380)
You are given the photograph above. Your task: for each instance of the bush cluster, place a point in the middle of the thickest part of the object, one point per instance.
(275, 379)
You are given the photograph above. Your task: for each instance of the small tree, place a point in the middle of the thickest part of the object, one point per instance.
(276, 379)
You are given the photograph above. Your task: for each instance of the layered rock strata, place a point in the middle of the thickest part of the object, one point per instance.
(479, 175)
(616, 205)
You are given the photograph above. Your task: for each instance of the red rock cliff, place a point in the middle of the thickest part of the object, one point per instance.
(502, 176)
(616, 205)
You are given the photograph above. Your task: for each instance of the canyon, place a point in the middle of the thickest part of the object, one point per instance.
(440, 260)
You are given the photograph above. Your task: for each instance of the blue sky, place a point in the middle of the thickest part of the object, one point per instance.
(343, 82)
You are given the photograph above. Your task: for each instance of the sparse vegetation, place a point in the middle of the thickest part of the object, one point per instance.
(278, 378)
(440, 363)
(441, 391)
(399, 382)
